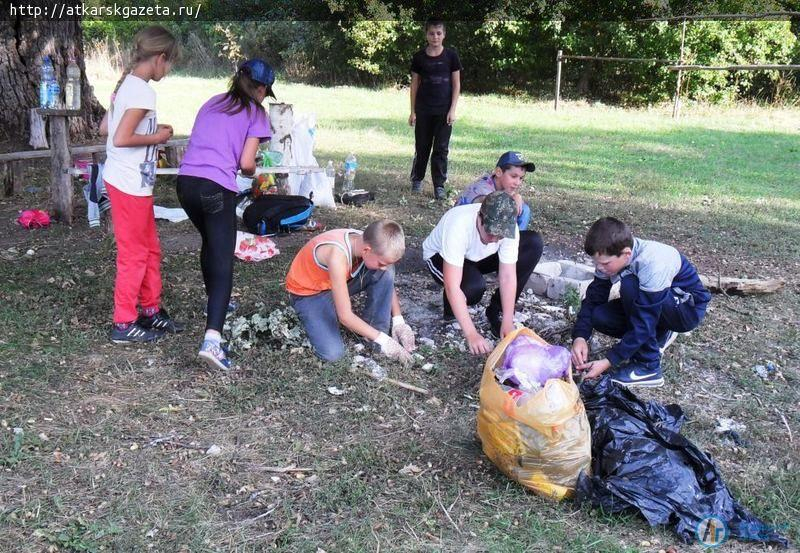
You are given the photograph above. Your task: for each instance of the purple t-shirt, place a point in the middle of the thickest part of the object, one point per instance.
(217, 141)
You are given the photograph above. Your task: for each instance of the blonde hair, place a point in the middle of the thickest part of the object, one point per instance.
(150, 41)
(386, 238)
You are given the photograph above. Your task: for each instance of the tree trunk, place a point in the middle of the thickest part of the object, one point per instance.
(24, 41)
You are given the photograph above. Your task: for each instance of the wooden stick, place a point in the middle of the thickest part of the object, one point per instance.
(607, 58)
(716, 396)
(398, 383)
(785, 423)
(721, 16)
(75, 150)
(677, 105)
(447, 513)
(755, 67)
(558, 79)
(290, 468)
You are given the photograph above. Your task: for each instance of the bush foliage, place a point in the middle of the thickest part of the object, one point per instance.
(503, 56)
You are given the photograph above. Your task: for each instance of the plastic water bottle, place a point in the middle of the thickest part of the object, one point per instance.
(45, 85)
(350, 166)
(72, 89)
(55, 95)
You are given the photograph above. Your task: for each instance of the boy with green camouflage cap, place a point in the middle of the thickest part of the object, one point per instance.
(468, 242)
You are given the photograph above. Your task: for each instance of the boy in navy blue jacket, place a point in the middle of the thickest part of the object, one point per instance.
(660, 295)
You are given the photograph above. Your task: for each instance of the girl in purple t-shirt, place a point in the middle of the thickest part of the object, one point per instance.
(225, 138)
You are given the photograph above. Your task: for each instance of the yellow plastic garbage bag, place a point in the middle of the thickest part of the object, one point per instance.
(545, 442)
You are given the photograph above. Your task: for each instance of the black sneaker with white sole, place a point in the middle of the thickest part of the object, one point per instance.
(134, 334)
(160, 321)
(634, 375)
(666, 340)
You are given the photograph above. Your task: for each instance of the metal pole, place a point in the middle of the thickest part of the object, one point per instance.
(676, 106)
(558, 78)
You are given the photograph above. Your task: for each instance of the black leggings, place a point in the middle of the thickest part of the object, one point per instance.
(474, 285)
(212, 209)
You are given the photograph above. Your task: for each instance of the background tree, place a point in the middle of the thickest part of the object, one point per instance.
(23, 43)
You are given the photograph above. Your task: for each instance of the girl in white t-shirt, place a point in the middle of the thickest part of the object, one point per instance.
(129, 175)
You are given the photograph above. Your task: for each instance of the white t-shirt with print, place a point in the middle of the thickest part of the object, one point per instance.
(132, 169)
(456, 238)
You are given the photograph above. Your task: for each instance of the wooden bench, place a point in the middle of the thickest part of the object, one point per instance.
(12, 165)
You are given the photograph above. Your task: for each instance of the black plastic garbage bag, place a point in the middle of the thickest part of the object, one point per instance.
(641, 462)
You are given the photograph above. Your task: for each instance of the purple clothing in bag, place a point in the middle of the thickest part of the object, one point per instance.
(217, 141)
(528, 364)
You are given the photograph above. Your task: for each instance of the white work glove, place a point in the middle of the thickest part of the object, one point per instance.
(392, 349)
(403, 333)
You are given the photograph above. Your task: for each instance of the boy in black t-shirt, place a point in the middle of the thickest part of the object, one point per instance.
(435, 87)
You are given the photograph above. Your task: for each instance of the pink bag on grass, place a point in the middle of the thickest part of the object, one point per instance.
(250, 247)
(34, 218)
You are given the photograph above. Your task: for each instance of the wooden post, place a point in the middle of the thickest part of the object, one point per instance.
(281, 118)
(558, 78)
(677, 105)
(5, 178)
(17, 176)
(61, 190)
(11, 176)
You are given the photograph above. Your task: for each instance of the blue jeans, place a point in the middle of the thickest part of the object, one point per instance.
(318, 313)
(613, 318)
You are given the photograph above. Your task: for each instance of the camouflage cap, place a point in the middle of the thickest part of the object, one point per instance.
(499, 214)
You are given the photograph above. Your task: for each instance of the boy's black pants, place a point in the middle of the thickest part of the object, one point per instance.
(474, 285)
(431, 131)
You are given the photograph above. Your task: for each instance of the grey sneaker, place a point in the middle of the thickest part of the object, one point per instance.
(416, 186)
(440, 193)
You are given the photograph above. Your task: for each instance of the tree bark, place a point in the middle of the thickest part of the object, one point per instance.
(24, 41)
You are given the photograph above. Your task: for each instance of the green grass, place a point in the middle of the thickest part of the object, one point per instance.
(739, 163)
(721, 184)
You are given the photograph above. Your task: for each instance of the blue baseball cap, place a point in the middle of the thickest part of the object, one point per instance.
(260, 71)
(517, 160)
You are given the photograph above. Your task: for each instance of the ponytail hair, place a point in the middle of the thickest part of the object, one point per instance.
(241, 93)
(148, 42)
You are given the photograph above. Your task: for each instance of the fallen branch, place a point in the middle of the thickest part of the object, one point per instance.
(785, 423)
(171, 440)
(709, 394)
(739, 311)
(290, 468)
(262, 515)
(394, 382)
(741, 286)
(447, 513)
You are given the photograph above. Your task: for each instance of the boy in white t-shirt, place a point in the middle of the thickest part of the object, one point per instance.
(468, 242)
